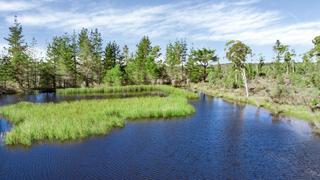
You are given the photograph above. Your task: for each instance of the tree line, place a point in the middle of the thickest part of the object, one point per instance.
(80, 59)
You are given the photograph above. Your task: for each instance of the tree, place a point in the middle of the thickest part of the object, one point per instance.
(47, 75)
(288, 59)
(237, 52)
(260, 66)
(151, 65)
(307, 64)
(33, 66)
(215, 74)
(193, 70)
(111, 55)
(85, 54)
(114, 76)
(125, 56)
(280, 50)
(60, 56)
(140, 69)
(96, 41)
(176, 55)
(203, 57)
(315, 51)
(17, 53)
(74, 59)
(6, 73)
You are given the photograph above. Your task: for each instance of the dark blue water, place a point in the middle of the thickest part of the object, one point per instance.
(54, 98)
(220, 141)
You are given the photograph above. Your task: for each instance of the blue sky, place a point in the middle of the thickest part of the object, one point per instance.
(202, 23)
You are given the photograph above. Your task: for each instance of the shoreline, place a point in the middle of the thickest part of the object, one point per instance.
(297, 112)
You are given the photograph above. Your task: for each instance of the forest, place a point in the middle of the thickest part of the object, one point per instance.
(80, 60)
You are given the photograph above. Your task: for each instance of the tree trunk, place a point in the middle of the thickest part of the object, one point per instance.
(245, 81)
(205, 74)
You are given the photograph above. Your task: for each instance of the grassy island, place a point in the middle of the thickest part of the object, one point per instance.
(81, 119)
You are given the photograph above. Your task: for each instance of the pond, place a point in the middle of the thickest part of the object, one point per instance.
(220, 141)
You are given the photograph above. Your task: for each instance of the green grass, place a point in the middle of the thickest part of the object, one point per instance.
(80, 119)
(295, 111)
(128, 89)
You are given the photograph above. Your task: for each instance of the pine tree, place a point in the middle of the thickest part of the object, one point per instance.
(203, 57)
(96, 40)
(18, 56)
(85, 54)
(111, 55)
(139, 69)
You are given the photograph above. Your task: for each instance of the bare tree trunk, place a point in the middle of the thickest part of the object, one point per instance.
(245, 81)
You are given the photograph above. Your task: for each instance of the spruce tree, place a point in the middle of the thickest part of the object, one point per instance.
(17, 53)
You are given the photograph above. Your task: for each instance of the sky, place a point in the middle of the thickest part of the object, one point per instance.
(202, 23)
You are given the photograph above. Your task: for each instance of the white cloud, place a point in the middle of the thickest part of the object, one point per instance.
(297, 34)
(17, 5)
(195, 21)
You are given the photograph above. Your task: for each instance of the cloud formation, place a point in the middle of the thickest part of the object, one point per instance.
(14, 6)
(196, 21)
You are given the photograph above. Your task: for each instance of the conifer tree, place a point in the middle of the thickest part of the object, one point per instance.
(17, 53)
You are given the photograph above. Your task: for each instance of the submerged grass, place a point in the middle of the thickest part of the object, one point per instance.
(76, 120)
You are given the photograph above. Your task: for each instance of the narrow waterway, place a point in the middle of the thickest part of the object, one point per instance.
(220, 141)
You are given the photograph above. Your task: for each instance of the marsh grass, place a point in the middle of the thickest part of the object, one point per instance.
(128, 89)
(85, 118)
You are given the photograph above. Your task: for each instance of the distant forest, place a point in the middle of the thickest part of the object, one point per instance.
(78, 60)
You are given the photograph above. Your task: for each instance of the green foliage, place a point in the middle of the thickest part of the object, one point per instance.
(111, 55)
(315, 51)
(193, 71)
(176, 55)
(260, 68)
(237, 53)
(216, 74)
(17, 53)
(280, 50)
(114, 76)
(142, 69)
(203, 57)
(60, 60)
(6, 73)
(98, 69)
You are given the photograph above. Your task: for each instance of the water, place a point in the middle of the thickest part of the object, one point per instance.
(220, 141)
(4, 127)
(54, 98)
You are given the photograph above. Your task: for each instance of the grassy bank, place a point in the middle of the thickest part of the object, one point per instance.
(128, 89)
(295, 111)
(76, 120)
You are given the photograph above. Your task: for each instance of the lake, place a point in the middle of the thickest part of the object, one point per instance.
(220, 141)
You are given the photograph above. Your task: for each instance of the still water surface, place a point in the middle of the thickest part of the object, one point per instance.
(220, 141)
